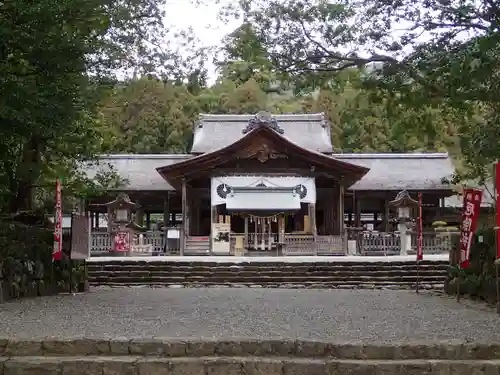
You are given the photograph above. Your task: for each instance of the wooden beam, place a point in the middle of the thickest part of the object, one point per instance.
(166, 210)
(341, 209)
(357, 212)
(387, 212)
(184, 218)
(312, 218)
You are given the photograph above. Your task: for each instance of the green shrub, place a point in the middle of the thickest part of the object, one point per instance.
(26, 267)
(477, 281)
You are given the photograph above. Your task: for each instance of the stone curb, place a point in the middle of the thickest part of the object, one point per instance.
(326, 285)
(237, 366)
(450, 350)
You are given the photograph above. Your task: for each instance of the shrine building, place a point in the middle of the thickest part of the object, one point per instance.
(270, 184)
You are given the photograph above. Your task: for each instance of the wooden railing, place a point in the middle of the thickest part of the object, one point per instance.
(331, 245)
(435, 242)
(299, 244)
(389, 243)
(367, 243)
(377, 244)
(101, 243)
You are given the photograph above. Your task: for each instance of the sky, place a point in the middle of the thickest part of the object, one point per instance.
(182, 14)
(203, 19)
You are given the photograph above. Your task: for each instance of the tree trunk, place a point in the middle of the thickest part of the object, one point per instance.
(28, 173)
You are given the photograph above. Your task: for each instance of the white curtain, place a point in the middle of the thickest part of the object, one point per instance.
(221, 186)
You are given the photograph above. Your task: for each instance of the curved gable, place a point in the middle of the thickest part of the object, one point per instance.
(213, 132)
(260, 138)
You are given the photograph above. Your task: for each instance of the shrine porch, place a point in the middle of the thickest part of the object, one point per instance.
(366, 243)
(277, 259)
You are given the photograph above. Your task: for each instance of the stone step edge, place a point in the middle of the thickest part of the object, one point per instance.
(239, 365)
(263, 275)
(265, 264)
(236, 285)
(423, 285)
(451, 350)
(360, 278)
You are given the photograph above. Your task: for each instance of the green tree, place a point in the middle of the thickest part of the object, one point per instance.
(245, 58)
(149, 116)
(54, 58)
(433, 54)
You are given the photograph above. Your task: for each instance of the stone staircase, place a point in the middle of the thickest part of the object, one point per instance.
(244, 357)
(197, 246)
(272, 274)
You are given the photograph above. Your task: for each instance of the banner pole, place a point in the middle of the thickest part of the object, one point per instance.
(497, 277)
(419, 241)
(69, 256)
(496, 175)
(418, 276)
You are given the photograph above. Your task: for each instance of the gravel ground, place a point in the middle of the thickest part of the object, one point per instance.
(337, 315)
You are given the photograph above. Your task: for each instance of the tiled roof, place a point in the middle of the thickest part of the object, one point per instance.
(415, 171)
(139, 170)
(411, 171)
(213, 132)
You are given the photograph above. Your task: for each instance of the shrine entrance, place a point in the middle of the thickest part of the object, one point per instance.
(263, 232)
(259, 233)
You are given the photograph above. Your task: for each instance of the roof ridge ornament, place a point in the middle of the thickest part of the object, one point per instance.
(263, 118)
(403, 199)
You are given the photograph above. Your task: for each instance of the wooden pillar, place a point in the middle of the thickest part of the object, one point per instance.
(184, 217)
(148, 220)
(312, 218)
(194, 209)
(213, 220)
(166, 211)
(281, 229)
(341, 209)
(246, 233)
(357, 212)
(387, 215)
(329, 210)
(213, 215)
(189, 212)
(139, 215)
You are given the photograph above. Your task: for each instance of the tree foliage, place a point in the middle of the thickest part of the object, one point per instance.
(441, 55)
(390, 75)
(156, 113)
(55, 55)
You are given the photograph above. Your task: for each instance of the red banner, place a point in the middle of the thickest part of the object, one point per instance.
(470, 215)
(58, 232)
(122, 242)
(420, 247)
(497, 198)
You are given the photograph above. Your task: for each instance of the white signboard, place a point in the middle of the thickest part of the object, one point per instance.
(221, 238)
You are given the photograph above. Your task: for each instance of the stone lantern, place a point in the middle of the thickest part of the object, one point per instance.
(403, 202)
(121, 228)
